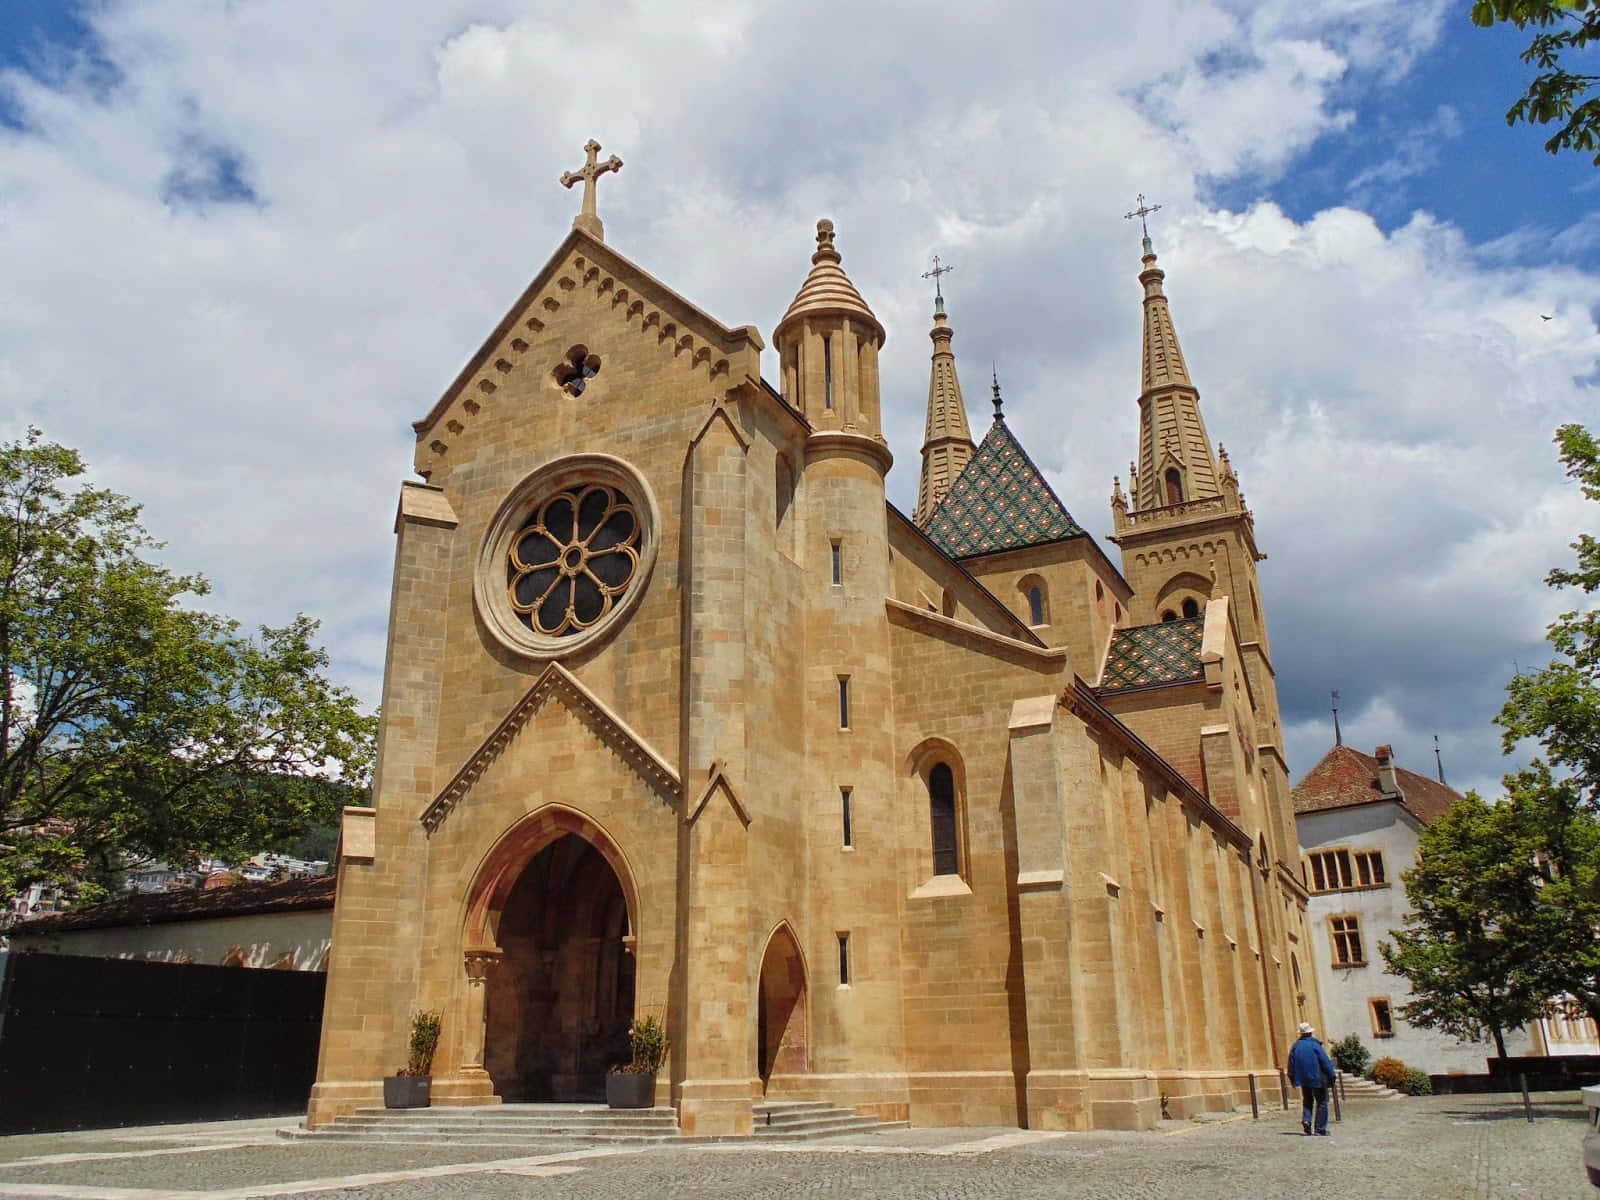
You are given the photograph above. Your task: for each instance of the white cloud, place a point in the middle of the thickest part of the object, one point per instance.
(250, 369)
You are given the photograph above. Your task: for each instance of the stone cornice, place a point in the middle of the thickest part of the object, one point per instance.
(556, 682)
(910, 616)
(826, 443)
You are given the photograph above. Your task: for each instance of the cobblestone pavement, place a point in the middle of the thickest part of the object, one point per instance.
(1437, 1148)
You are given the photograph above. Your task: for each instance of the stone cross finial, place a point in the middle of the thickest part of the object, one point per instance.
(587, 220)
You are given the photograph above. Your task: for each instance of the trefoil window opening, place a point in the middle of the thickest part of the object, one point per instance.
(844, 702)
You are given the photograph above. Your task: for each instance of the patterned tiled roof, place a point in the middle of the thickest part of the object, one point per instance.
(1345, 777)
(1147, 655)
(1000, 501)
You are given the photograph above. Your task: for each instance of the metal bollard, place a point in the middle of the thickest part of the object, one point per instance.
(1527, 1104)
(1283, 1089)
(1338, 1109)
(1255, 1106)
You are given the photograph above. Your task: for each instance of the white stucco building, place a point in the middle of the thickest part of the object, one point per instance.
(1359, 818)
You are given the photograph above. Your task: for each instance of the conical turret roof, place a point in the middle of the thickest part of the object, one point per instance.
(827, 289)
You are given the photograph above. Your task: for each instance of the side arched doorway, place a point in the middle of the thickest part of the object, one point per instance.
(781, 1010)
(558, 1003)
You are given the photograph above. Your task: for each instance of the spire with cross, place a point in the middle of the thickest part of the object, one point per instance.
(1142, 211)
(938, 292)
(587, 220)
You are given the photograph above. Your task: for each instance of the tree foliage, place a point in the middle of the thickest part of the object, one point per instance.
(1557, 798)
(131, 724)
(1472, 970)
(1557, 93)
(1559, 705)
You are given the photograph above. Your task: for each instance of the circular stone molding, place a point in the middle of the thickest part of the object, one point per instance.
(568, 556)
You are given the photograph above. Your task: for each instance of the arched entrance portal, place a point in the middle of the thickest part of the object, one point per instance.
(781, 1010)
(558, 1006)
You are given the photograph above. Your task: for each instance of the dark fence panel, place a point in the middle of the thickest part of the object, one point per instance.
(95, 1042)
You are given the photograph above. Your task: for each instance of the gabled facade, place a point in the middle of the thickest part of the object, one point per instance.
(1360, 817)
(680, 715)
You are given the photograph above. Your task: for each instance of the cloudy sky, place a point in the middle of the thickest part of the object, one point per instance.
(244, 245)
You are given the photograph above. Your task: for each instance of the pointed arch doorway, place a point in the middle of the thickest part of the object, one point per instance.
(781, 1011)
(558, 1004)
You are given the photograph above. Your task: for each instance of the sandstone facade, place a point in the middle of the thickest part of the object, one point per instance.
(935, 818)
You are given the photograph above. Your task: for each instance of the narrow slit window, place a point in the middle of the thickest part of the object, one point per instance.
(844, 702)
(1035, 605)
(942, 820)
(838, 562)
(827, 372)
(844, 960)
(844, 814)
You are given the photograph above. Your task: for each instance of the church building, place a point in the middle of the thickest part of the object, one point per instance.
(944, 817)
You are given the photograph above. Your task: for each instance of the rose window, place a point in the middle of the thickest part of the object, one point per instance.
(570, 565)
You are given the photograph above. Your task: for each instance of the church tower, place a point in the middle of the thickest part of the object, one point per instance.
(1187, 535)
(947, 442)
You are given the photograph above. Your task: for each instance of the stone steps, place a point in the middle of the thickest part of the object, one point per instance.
(534, 1126)
(784, 1120)
(1354, 1087)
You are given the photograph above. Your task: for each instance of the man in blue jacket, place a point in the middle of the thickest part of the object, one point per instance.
(1311, 1070)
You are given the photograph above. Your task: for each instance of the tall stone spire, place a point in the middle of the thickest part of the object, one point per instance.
(947, 441)
(1176, 462)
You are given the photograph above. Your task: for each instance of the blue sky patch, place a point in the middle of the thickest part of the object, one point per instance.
(1436, 139)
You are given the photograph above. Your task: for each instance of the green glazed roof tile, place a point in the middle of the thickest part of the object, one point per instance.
(1000, 501)
(1147, 655)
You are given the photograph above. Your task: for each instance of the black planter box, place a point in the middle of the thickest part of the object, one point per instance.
(407, 1091)
(630, 1091)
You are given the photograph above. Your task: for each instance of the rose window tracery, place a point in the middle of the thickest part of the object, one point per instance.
(574, 560)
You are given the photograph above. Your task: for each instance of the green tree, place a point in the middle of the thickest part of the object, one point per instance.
(1471, 969)
(131, 724)
(1559, 705)
(1557, 94)
(1564, 835)
(1557, 797)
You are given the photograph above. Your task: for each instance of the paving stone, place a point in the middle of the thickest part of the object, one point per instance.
(1435, 1148)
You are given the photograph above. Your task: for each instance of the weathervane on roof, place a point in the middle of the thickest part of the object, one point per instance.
(1143, 211)
(994, 373)
(938, 292)
(1338, 738)
(1438, 758)
(588, 220)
